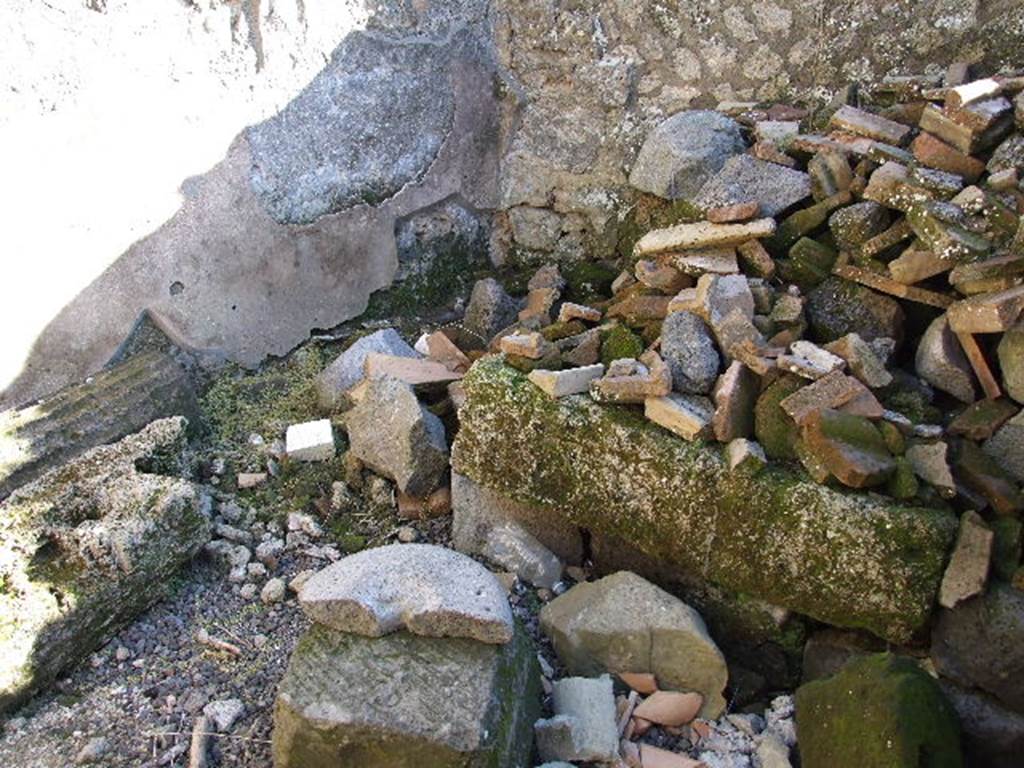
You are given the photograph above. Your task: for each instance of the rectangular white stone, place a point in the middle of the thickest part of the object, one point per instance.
(572, 381)
(310, 441)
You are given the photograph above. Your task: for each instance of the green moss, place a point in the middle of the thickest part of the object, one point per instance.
(903, 482)
(775, 430)
(619, 342)
(557, 331)
(894, 439)
(587, 280)
(650, 212)
(1006, 550)
(808, 264)
(239, 402)
(845, 558)
(881, 711)
(913, 404)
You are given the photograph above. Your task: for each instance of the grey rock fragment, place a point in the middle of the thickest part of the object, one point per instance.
(683, 152)
(744, 178)
(1006, 446)
(395, 436)
(490, 310)
(584, 726)
(425, 589)
(968, 567)
(689, 350)
(347, 370)
(512, 547)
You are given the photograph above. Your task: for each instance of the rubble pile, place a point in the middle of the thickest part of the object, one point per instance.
(851, 299)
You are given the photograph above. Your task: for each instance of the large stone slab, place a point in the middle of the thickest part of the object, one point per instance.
(776, 536)
(623, 623)
(405, 701)
(426, 589)
(87, 547)
(109, 406)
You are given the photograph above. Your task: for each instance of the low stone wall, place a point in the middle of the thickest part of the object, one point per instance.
(844, 558)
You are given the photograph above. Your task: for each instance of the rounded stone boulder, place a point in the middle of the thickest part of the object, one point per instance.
(426, 589)
(624, 623)
(684, 151)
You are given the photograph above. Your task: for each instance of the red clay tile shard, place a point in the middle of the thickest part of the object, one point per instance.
(670, 708)
(848, 118)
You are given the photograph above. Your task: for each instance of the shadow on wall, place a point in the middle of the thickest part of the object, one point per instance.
(295, 227)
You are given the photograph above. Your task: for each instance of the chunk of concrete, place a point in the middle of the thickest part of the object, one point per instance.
(347, 369)
(395, 436)
(87, 547)
(584, 726)
(426, 589)
(684, 151)
(310, 441)
(406, 700)
(623, 623)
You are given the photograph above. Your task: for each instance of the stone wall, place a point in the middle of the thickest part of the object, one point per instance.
(589, 79)
(124, 200)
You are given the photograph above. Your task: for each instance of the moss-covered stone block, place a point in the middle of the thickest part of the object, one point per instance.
(845, 558)
(87, 547)
(406, 701)
(881, 711)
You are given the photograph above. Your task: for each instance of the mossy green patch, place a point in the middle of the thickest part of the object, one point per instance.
(882, 711)
(619, 342)
(587, 280)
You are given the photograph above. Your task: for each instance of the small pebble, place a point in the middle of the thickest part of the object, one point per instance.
(407, 534)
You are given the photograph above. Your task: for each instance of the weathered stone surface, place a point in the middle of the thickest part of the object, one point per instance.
(849, 118)
(623, 623)
(744, 178)
(568, 382)
(894, 557)
(404, 701)
(992, 734)
(109, 406)
(745, 456)
(861, 360)
(347, 369)
(584, 726)
(735, 395)
(683, 152)
(490, 309)
(702, 234)
(980, 644)
(1006, 446)
(981, 420)
(882, 710)
(476, 510)
(394, 435)
(425, 589)
(837, 307)
(88, 546)
(940, 361)
(688, 416)
(968, 566)
(689, 351)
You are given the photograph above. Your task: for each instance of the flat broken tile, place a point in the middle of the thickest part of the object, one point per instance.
(976, 90)
(976, 358)
(719, 261)
(725, 214)
(640, 309)
(810, 361)
(417, 372)
(571, 381)
(670, 708)
(884, 284)
(980, 420)
(935, 153)
(650, 378)
(861, 359)
(734, 395)
(897, 233)
(702, 235)
(571, 311)
(444, 350)
(756, 259)
(688, 416)
(930, 462)
(662, 277)
(684, 301)
(539, 302)
(913, 266)
(529, 345)
(849, 118)
(830, 391)
(988, 312)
